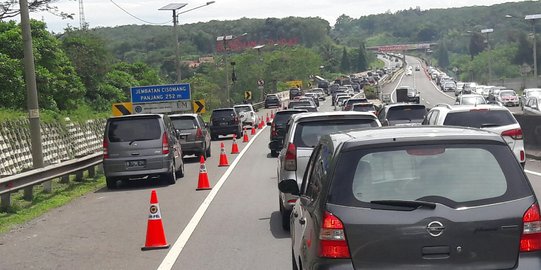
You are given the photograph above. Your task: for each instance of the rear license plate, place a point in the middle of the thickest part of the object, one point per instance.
(224, 124)
(135, 163)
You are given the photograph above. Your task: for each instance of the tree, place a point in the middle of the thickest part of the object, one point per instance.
(443, 55)
(345, 65)
(10, 8)
(362, 61)
(524, 50)
(477, 44)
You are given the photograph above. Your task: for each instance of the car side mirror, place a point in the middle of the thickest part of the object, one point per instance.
(289, 186)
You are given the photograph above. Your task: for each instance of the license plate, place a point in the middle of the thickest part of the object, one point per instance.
(135, 163)
(223, 124)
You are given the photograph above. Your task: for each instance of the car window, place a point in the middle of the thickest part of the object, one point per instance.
(473, 100)
(134, 129)
(307, 134)
(294, 104)
(307, 178)
(185, 122)
(507, 93)
(479, 118)
(406, 113)
(223, 113)
(240, 109)
(282, 117)
(429, 173)
(364, 108)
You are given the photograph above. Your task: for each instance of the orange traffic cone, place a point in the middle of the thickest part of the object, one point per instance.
(268, 118)
(245, 137)
(272, 114)
(234, 147)
(203, 182)
(261, 124)
(155, 234)
(223, 157)
(253, 130)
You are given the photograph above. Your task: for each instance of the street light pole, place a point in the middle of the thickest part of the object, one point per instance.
(488, 31)
(225, 38)
(532, 18)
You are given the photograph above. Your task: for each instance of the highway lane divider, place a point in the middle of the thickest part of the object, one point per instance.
(173, 254)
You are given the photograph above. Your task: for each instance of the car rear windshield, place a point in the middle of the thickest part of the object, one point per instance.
(307, 134)
(406, 113)
(456, 175)
(364, 107)
(281, 118)
(271, 97)
(243, 109)
(356, 100)
(184, 122)
(480, 118)
(473, 100)
(294, 91)
(134, 129)
(223, 113)
(294, 104)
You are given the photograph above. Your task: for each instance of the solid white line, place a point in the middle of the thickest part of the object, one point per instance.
(182, 240)
(532, 172)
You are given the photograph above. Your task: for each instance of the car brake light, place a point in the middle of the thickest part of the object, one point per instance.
(165, 144)
(530, 240)
(332, 239)
(290, 163)
(522, 155)
(273, 129)
(105, 148)
(198, 133)
(515, 134)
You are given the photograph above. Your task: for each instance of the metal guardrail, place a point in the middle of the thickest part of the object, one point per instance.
(27, 180)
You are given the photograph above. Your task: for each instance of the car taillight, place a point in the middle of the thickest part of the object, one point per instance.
(290, 162)
(165, 144)
(332, 239)
(198, 133)
(515, 134)
(274, 132)
(530, 240)
(105, 148)
(522, 155)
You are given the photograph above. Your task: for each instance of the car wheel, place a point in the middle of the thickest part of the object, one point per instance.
(207, 152)
(213, 137)
(274, 153)
(285, 218)
(171, 176)
(180, 172)
(239, 134)
(111, 182)
(293, 261)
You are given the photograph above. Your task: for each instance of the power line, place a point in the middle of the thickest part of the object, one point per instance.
(137, 18)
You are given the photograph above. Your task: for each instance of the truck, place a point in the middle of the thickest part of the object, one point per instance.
(407, 94)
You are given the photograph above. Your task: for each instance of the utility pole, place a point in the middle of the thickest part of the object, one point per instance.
(177, 50)
(532, 18)
(488, 31)
(31, 92)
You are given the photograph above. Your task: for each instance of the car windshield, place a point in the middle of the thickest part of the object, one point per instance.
(507, 93)
(307, 134)
(479, 118)
(240, 109)
(425, 173)
(406, 113)
(185, 122)
(536, 93)
(134, 129)
(473, 100)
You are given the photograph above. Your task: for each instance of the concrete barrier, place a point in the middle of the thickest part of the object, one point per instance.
(531, 130)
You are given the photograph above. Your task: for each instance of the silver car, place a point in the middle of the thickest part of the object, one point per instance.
(532, 106)
(303, 134)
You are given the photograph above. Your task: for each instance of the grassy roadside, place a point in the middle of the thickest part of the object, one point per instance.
(22, 211)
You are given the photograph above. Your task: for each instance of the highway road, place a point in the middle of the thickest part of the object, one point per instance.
(236, 225)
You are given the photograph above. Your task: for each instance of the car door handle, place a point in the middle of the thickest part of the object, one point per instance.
(302, 221)
(295, 214)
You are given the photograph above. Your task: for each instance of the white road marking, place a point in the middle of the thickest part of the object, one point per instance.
(532, 172)
(397, 85)
(182, 240)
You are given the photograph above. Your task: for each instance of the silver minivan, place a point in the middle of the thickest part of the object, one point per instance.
(141, 146)
(303, 133)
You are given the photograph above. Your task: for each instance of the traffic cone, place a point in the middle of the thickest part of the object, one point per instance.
(155, 234)
(253, 131)
(223, 157)
(234, 147)
(272, 114)
(245, 137)
(262, 124)
(203, 182)
(268, 118)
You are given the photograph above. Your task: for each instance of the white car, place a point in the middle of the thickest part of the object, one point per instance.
(492, 118)
(508, 98)
(247, 114)
(340, 102)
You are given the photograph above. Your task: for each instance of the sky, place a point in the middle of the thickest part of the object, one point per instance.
(103, 13)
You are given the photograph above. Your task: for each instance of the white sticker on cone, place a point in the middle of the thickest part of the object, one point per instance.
(154, 212)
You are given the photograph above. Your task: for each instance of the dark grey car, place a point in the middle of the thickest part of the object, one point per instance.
(193, 134)
(141, 146)
(393, 198)
(402, 114)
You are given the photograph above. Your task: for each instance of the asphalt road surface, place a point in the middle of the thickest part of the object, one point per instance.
(236, 225)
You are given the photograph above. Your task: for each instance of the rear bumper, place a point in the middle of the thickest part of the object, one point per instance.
(287, 200)
(276, 144)
(272, 104)
(117, 168)
(189, 148)
(529, 260)
(333, 264)
(224, 130)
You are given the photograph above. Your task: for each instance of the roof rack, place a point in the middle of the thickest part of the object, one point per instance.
(444, 105)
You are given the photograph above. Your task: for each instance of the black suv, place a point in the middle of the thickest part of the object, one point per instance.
(225, 121)
(272, 101)
(279, 129)
(414, 198)
(402, 114)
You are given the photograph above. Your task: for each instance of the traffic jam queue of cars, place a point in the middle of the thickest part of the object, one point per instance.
(398, 186)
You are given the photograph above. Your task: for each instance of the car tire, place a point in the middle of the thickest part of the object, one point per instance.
(110, 182)
(213, 137)
(293, 261)
(274, 153)
(285, 215)
(207, 152)
(239, 134)
(180, 172)
(170, 177)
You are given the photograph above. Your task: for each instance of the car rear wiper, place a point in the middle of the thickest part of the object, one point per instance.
(489, 125)
(405, 203)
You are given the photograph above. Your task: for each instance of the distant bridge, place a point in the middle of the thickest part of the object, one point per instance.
(402, 47)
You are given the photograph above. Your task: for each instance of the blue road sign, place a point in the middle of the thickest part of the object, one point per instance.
(161, 93)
